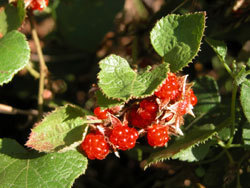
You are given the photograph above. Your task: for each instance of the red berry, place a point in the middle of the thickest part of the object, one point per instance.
(157, 135)
(149, 105)
(145, 115)
(137, 120)
(101, 114)
(193, 98)
(39, 4)
(169, 89)
(95, 146)
(123, 137)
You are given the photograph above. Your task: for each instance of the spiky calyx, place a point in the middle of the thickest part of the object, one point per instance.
(159, 115)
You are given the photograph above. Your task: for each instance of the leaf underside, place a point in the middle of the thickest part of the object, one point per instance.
(22, 169)
(61, 130)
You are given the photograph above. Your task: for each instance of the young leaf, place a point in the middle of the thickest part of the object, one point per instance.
(14, 55)
(61, 130)
(191, 139)
(22, 169)
(118, 81)
(219, 47)
(177, 38)
(11, 17)
(245, 98)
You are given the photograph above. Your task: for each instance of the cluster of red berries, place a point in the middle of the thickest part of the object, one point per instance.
(158, 117)
(36, 4)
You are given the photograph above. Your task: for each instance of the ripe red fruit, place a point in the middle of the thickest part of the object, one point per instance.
(39, 4)
(169, 90)
(101, 114)
(193, 98)
(149, 105)
(95, 146)
(139, 119)
(157, 135)
(123, 137)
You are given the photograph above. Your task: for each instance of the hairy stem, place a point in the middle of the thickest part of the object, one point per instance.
(43, 67)
(233, 105)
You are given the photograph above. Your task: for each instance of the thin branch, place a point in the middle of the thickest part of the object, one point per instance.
(6, 109)
(43, 67)
(179, 6)
(32, 71)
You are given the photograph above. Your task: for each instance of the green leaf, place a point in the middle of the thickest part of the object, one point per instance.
(219, 47)
(118, 81)
(183, 145)
(105, 102)
(207, 92)
(22, 169)
(245, 98)
(195, 153)
(14, 55)
(177, 38)
(246, 135)
(11, 17)
(61, 130)
(76, 27)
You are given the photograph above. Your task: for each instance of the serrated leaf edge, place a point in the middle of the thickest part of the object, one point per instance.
(131, 97)
(192, 146)
(203, 34)
(20, 68)
(44, 119)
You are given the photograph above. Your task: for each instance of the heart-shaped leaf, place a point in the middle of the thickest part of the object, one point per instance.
(177, 38)
(14, 55)
(61, 130)
(118, 81)
(22, 169)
